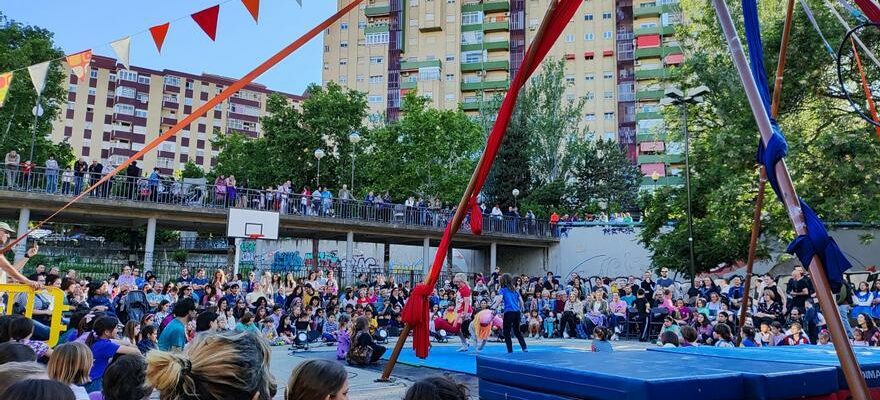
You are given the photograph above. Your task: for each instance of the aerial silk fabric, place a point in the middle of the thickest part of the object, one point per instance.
(816, 241)
(869, 98)
(416, 312)
(870, 9)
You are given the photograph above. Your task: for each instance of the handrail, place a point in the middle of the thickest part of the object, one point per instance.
(58, 307)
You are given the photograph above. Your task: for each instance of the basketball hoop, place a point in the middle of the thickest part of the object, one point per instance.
(255, 236)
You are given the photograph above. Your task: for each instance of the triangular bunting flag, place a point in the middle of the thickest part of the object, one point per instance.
(79, 63)
(122, 47)
(207, 20)
(300, 2)
(158, 32)
(253, 7)
(5, 83)
(38, 75)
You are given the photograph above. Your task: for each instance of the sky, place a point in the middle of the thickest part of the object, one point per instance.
(241, 44)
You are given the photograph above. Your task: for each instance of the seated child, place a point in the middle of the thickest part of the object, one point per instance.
(343, 337)
(600, 342)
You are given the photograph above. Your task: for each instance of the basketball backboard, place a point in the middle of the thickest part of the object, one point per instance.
(244, 223)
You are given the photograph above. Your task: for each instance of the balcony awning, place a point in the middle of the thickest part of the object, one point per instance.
(608, 53)
(652, 146)
(589, 54)
(648, 41)
(674, 59)
(649, 169)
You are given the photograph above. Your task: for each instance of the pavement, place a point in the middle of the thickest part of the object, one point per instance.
(362, 381)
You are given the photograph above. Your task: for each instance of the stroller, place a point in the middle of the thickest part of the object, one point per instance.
(133, 306)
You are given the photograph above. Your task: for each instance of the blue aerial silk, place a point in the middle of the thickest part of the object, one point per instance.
(816, 241)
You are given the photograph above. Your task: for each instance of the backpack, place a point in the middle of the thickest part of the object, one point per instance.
(359, 355)
(581, 333)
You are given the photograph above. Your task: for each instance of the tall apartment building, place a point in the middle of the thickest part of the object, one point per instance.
(465, 51)
(116, 111)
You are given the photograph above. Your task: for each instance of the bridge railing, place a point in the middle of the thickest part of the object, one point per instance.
(185, 194)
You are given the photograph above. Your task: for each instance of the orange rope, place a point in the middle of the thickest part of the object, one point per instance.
(866, 87)
(225, 94)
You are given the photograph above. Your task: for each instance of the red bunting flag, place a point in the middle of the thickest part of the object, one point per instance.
(207, 20)
(158, 32)
(253, 7)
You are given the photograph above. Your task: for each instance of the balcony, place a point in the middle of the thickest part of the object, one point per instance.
(477, 105)
(500, 45)
(662, 51)
(485, 85)
(376, 28)
(649, 94)
(670, 180)
(661, 158)
(649, 115)
(172, 104)
(657, 73)
(485, 66)
(654, 11)
(496, 26)
(408, 84)
(430, 26)
(169, 120)
(650, 137)
(657, 30)
(414, 65)
(496, 6)
(376, 11)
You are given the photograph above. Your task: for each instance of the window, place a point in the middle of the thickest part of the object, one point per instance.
(343, 26)
(470, 18)
(589, 37)
(359, 78)
(606, 15)
(607, 35)
(590, 117)
(589, 96)
(377, 38)
(187, 101)
(608, 95)
(112, 78)
(189, 85)
(609, 116)
(569, 80)
(450, 97)
(569, 38)
(140, 113)
(377, 59)
(450, 18)
(376, 79)
(429, 74)
(472, 56)
(125, 109)
(362, 24)
(172, 80)
(145, 80)
(472, 37)
(590, 77)
(608, 75)
(450, 77)
(343, 44)
(588, 17)
(374, 98)
(123, 91)
(343, 61)
(450, 57)
(143, 97)
(343, 79)
(71, 105)
(429, 95)
(71, 88)
(127, 75)
(93, 73)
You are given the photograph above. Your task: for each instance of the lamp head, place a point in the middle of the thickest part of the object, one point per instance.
(673, 93)
(319, 153)
(515, 192)
(698, 91)
(354, 137)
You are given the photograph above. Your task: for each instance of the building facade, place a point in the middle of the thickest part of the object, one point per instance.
(465, 52)
(112, 115)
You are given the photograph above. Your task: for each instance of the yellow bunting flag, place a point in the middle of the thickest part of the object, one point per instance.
(5, 82)
(79, 63)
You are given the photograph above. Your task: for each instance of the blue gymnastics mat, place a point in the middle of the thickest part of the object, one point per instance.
(449, 359)
(869, 359)
(643, 375)
(495, 391)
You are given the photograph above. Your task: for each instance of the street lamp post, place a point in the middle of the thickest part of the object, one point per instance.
(674, 96)
(515, 193)
(38, 112)
(655, 176)
(354, 138)
(319, 154)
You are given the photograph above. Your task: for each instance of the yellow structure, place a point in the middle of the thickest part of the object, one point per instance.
(58, 307)
(113, 113)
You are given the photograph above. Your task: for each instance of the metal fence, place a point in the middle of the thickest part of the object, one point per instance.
(179, 193)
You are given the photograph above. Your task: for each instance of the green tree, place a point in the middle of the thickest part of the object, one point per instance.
(819, 126)
(511, 168)
(428, 152)
(191, 170)
(20, 46)
(602, 174)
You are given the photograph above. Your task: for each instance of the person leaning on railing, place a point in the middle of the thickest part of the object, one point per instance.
(14, 270)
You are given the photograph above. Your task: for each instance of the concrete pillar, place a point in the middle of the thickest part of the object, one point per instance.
(449, 258)
(349, 255)
(150, 245)
(24, 218)
(493, 256)
(386, 259)
(237, 254)
(426, 255)
(315, 259)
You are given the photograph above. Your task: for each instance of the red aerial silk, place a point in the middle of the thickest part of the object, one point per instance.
(870, 9)
(416, 311)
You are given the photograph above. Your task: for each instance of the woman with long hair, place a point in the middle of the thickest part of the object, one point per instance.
(70, 364)
(102, 341)
(219, 366)
(317, 380)
(513, 306)
(99, 298)
(866, 324)
(363, 338)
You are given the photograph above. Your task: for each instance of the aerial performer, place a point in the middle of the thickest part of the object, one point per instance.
(482, 326)
(463, 308)
(513, 306)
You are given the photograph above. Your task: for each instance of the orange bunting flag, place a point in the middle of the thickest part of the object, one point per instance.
(79, 63)
(5, 82)
(158, 32)
(253, 7)
(207, 20)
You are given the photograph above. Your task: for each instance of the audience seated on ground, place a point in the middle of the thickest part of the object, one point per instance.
(38, 389)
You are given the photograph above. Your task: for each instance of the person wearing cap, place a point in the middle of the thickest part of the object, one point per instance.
(14, 270)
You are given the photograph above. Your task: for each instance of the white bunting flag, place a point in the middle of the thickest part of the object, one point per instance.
(122, 48)
(38, 75)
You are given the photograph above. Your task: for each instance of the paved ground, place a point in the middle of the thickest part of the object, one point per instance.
(362, 380)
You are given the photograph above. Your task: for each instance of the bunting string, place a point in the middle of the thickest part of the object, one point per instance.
(78, 62)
